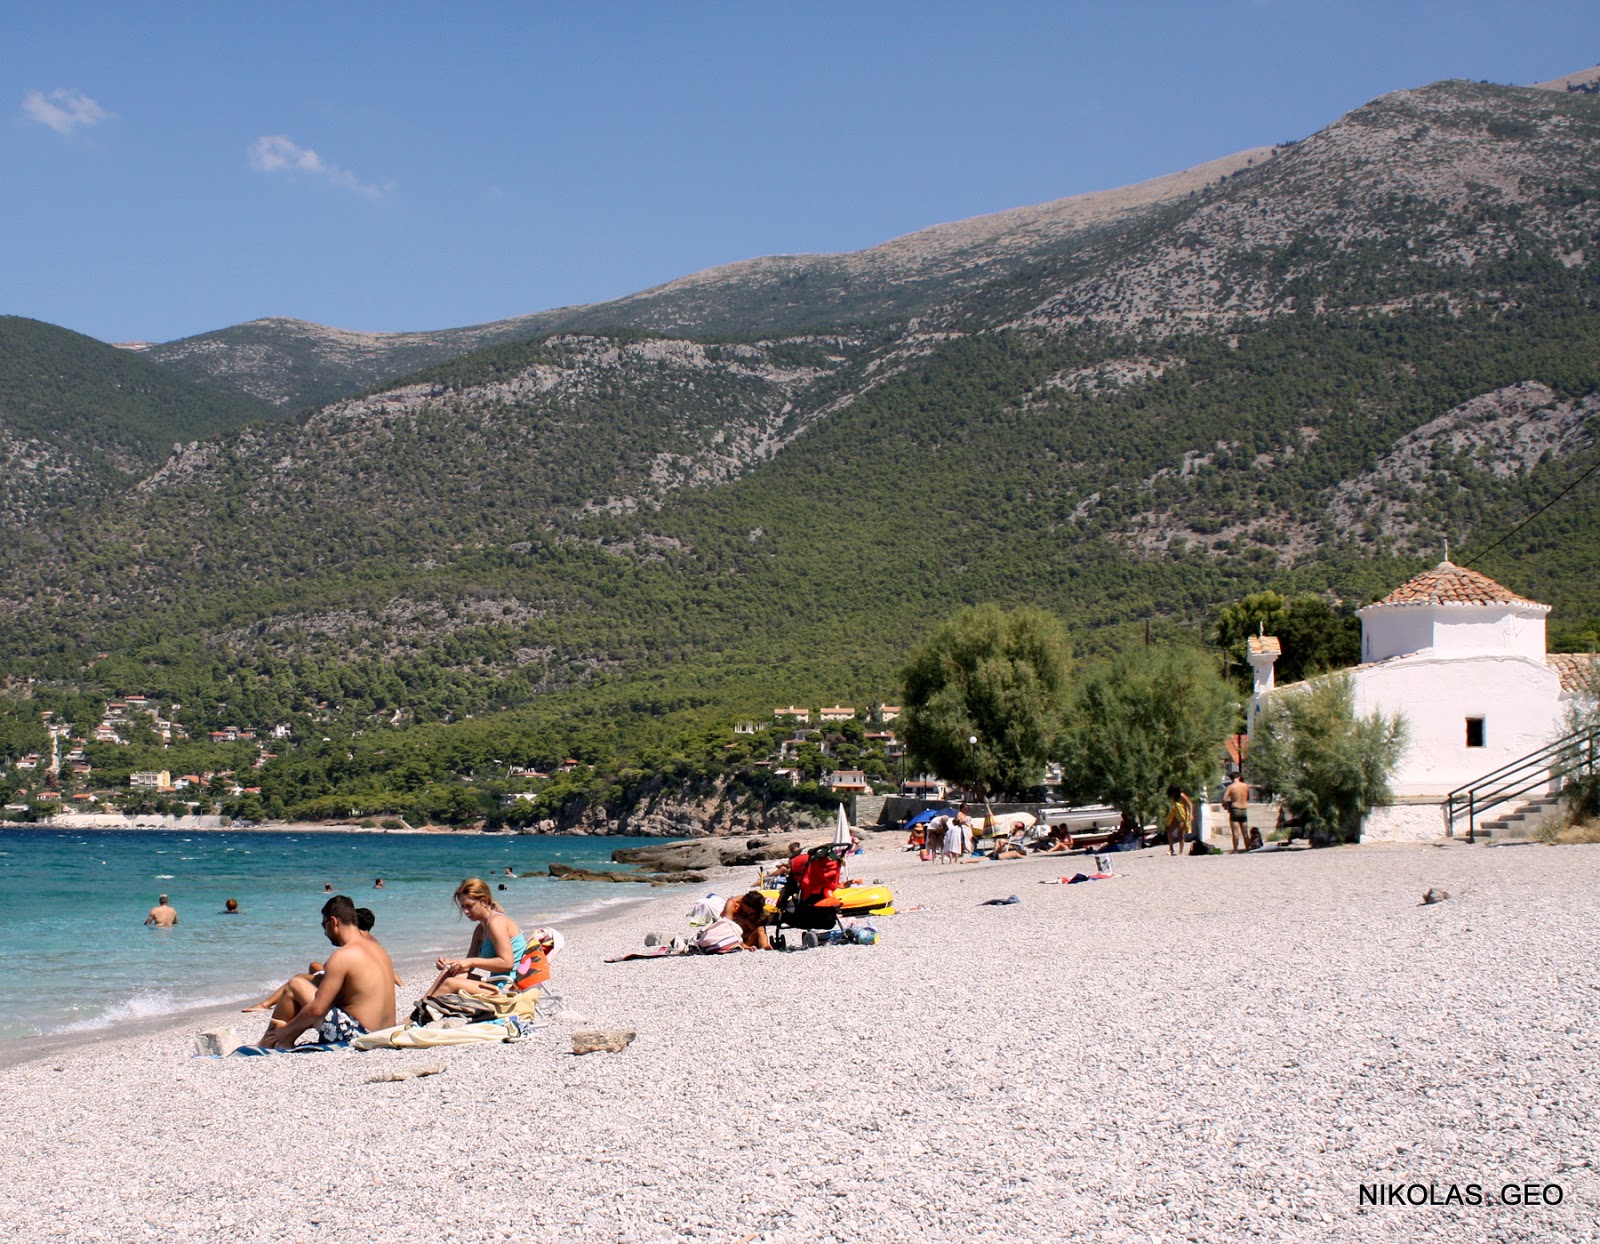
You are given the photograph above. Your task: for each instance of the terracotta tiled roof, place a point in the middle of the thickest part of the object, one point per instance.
(1573, 668)
(1449, 584)
(1265, 643)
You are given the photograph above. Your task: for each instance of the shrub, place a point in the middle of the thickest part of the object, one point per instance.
(1327, 765)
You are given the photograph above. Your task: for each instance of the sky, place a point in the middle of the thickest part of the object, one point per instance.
(170, 169)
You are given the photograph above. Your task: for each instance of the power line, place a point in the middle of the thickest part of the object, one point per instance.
(1534, 515)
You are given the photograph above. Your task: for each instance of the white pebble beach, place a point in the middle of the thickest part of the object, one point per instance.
(1200, 1048)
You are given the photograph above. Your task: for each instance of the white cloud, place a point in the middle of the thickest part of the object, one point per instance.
(63, 109)
(275, 153)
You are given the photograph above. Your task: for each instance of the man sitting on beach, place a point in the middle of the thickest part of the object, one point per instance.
(161, 915)
(355, 994)
(365, 920)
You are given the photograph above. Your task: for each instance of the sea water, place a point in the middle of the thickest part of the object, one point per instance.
(78, 956)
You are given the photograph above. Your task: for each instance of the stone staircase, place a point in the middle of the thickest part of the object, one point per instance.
(1516, 823)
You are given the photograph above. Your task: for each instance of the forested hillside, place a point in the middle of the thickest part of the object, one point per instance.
(79, 418)
(1305, 376)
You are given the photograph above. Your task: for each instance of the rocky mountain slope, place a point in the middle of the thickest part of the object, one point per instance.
(1304, 371)
(294, 364)
(80, 420)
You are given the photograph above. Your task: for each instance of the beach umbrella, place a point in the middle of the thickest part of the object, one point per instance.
(927, 814)
(842, 837)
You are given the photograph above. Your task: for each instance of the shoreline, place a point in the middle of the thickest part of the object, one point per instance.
(1208, 1048)
(415, 969)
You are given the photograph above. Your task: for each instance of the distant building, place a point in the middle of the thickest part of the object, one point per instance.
(156, 779)
(849, 782)
(838, 712)
(799, 715)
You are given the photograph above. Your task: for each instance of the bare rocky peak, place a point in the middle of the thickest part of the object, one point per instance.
(997, 235)
(1398, 182)
(1585, 80)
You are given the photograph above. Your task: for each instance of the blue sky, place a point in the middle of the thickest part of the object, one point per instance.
(175, 168)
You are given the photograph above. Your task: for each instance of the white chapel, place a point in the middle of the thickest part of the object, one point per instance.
(1464, 660)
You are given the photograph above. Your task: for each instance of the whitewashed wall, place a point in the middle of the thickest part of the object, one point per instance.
(1516, 696)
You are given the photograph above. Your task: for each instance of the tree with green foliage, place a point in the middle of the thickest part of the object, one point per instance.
(1148, 719)
(1329, 766)
(1315, 636)
(1581, 717)
(984, 695)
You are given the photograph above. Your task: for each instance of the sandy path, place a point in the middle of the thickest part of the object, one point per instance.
(1220, 1048)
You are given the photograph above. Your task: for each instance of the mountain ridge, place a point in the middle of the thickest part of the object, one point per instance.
(295, 363)
(1299, 376)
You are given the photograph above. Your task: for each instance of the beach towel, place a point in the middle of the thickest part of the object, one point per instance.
(1000, 902)
(336, 1032)
(669, 952)
(720, 935)
(419, 1037)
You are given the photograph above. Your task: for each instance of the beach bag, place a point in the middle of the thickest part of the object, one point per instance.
(452, 1006)
(719, 936)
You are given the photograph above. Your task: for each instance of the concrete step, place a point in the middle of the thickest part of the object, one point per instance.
(1515, 822)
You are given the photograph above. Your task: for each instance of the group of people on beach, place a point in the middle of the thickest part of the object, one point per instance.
(1179, 822)
(352, 992)
(946, 838)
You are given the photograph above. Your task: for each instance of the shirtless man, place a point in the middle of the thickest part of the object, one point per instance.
(355, 994)
(161, 915)
(1236, 799)
(365, 920)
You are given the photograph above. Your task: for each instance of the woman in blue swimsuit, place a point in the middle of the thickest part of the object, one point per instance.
(497, 944)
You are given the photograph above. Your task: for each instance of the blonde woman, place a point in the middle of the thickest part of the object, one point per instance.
(497, 944)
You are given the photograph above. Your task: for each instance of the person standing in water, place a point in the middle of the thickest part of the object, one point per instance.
(162, 915)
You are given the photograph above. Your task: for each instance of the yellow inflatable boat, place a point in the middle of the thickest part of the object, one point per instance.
(858, 900)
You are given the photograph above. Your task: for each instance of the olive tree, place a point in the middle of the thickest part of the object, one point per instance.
(984, 694)
(1327, 765)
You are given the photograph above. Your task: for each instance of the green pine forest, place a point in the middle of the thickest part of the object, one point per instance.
(458, 572)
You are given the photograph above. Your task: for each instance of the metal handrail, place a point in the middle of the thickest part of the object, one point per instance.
(1538, 769)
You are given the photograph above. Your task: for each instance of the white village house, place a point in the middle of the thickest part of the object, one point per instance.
(1463, 660)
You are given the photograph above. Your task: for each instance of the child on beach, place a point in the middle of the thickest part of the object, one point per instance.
(1180, 819)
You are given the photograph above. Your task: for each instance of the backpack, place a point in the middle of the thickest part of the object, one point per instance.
(531, 970)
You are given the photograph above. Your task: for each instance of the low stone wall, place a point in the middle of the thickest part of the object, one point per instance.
(115, 820)
(1406, 820)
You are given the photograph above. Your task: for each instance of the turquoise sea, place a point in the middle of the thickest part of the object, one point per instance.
(73, 903)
